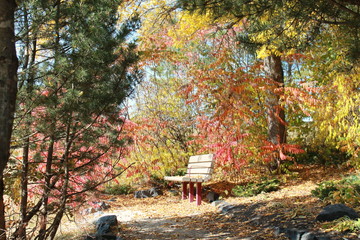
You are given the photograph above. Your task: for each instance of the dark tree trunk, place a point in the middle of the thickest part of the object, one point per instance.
(46, 190)
(275, 112)
(8, 91)
(24, 190)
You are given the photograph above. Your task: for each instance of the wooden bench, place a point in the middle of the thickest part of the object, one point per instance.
(199, 170)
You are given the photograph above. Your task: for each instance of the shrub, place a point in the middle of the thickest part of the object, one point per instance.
(325, 190)
(325, 155)
(346, 190)
(346, 224)
(158, 181)
(252, 189)
(118, 189)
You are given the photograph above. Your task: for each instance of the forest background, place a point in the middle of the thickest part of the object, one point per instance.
(261, 84)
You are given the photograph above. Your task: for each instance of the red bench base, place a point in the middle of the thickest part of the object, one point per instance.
(191, 192)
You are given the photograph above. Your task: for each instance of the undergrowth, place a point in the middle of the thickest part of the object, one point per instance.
(255, 188)
(347, 224)
(118, 189)
(346, 191)
(344, 224)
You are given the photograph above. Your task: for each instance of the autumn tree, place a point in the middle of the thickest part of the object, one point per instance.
(274, 28)
(272, 61)
(334, 119)
(77, 68)
(164, 123)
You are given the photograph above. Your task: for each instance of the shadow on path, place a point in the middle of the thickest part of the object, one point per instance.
(250, 221)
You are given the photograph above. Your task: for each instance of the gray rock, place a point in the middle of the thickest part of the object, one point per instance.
(101, 206)
(98, 207)
(153, 192)
(295, 234)
(102, 238)
(212, 196)
(88, 211)
(107, 226)
(225, 207)
(308, 236)
(106, 229)
(217, 203)
(323, 238)
(336, 211)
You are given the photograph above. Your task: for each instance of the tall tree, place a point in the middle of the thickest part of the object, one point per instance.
(335, 119)
(275, 112)
(78, 67)
(8, 89)
(250, 15)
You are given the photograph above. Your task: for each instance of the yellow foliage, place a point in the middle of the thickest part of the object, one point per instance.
(267, 50)
(187, 26)
(273, 37)
(340, 121)
(152, 13)
(271, 41)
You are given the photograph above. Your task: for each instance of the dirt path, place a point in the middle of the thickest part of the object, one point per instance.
(163, 217)
(165, 229)
(252, 218)
(168, 217)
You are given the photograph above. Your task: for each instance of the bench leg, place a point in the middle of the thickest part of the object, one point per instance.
(198, 193)
(191, 191)
(184, 191)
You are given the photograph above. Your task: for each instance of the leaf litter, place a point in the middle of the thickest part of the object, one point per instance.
(169, 217)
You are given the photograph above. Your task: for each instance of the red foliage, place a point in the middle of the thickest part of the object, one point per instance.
(87, 163)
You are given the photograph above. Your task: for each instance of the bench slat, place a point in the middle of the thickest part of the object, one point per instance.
(198, 170)
(201, 164)
(201, 158)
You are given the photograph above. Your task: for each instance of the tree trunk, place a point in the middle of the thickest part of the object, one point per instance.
(24, 189)
(46, 191)
(28, 64)
(275, 112)
(8, 91)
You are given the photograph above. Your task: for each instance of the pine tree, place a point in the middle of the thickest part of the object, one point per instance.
(83, 69)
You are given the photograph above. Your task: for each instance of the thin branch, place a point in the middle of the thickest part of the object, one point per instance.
(345, 8)
(100, 183)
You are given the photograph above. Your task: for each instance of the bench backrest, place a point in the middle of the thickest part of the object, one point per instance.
(201, 166)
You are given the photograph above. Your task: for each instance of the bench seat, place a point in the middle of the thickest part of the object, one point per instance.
(184, 179)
